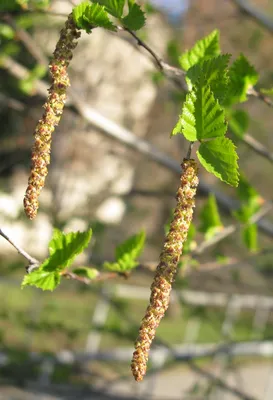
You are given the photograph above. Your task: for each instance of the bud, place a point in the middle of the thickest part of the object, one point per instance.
(167, 267)
(52, 114)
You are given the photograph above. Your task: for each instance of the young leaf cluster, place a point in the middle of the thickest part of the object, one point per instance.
(210, 219)
(213, 86)
(251, 203)
(63, 248)
(127, 253)
(99, 13)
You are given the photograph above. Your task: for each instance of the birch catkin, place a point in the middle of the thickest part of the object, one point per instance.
(53, 110)
(167, 267)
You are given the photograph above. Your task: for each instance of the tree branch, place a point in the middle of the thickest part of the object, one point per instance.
(256, 146)
(259, 95)
(33, 263)
(101, 277)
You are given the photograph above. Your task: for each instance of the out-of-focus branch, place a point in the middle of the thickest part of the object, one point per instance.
(261, 96)
(219, 382)
(101, 277)
(255, 13)
(231, 229)
(256, 146)
(126, 137)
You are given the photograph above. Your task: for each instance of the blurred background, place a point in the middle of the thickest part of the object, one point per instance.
(115, 169)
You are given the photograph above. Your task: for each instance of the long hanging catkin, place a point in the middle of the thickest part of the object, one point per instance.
(53, 110)
(167, 267)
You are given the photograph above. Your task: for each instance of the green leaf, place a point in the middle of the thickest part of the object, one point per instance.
(173, 51)
(210, 218)
(246, 192)
(238, 122)
(251, 201)
(212, 72)
(219, 157)
(86, 272)
(209, 116)
(9, 5)
(45, 280)
(242, 77)
(113, 7)
(27, 85)
(245, 212)
(204, 48)
(186, 122)
(88, 16)
(133, 246)
(250, 237)
(135, 19)
(202, 117)
(126, 254)
(6, 31)
(63, 248)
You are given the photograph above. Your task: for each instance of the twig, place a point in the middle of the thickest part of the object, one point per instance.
(255, 13)
(141, 43)
(259, 95)
(189, 150)
(33, 263)
(256, 146)
(87, 281)
(177, 75)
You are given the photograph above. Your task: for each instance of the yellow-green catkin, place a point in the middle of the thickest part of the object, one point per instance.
(167, 267)
(53, 110)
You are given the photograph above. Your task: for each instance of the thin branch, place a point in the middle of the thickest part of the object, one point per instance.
(190, 150)
(259, 95)
(177, 75)
(255, 13)
(157, 60)
(258, 147)
(33, 263)
(87, 281)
